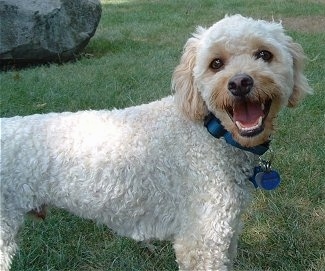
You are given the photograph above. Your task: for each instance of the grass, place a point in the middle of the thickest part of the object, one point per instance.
(130, 61)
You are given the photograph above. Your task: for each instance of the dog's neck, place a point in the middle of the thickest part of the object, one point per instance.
(263, 177)
(217, 130)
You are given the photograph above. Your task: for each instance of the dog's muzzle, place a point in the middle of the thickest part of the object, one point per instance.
(247, 115)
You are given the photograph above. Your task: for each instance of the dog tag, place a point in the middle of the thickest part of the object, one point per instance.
(268, 180)
(265, 177)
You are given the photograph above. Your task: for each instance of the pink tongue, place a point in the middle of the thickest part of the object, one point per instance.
(247, 113)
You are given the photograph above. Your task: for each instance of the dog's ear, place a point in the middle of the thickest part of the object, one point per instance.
(301, 86)
(187, 95)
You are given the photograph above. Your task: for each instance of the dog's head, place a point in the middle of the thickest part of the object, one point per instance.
(243, 71)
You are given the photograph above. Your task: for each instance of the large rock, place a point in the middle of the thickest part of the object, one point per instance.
(46, 30)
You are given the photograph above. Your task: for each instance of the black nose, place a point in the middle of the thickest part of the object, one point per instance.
(240, 84)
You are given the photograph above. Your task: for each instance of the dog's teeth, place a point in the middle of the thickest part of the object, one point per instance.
(245, 128)
(262, 107)
(260, 120)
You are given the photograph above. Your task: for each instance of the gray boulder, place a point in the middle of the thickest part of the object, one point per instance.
(46, 30)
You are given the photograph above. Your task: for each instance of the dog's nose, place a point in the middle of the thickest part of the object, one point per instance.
(240, 84)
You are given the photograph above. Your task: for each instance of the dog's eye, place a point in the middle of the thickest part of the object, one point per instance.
(216, 64)
(265, 55)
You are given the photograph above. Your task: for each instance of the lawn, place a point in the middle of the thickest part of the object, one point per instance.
(130, 61)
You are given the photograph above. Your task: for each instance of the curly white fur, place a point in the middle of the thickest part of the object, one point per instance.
(153, 171)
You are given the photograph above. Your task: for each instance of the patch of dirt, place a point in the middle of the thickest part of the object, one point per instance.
(307, 24)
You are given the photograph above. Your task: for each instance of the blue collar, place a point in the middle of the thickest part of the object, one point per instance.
(216, 129)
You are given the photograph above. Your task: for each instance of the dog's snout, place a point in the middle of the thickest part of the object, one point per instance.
(240, 84)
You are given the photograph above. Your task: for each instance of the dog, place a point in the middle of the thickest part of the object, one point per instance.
(156, 171)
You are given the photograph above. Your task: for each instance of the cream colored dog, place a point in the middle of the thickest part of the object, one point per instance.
(154, 171)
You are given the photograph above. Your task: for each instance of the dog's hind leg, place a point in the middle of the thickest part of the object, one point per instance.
(10, 222)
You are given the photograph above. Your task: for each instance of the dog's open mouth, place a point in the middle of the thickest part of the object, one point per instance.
(249, 116)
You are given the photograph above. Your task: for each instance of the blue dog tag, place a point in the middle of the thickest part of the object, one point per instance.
(265, 177)
(268, 180)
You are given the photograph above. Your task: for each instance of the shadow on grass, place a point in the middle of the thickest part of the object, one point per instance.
(66, 242)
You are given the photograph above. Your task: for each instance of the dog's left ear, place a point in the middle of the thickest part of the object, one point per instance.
(301, 86)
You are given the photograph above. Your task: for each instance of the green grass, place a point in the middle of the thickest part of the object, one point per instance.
(130, 61)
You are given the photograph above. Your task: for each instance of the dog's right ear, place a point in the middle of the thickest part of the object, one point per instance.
(187, 96)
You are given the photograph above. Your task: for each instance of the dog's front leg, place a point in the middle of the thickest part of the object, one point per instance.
(197, 255)
(208, 245)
